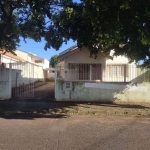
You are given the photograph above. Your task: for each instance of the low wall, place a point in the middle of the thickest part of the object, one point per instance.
(4, 90)
(104, 92)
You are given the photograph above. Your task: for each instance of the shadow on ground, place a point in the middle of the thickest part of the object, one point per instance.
(31, 116)
(30, 109)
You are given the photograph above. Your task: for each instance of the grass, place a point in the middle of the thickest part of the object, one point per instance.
(48, 107)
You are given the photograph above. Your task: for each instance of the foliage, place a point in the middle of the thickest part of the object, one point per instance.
(24, 18)
(101, 25)
(54, 61)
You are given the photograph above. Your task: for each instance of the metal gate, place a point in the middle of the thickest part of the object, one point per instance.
(22, 79)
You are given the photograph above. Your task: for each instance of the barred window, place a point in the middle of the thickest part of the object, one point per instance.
(116, 70)
(84, 71)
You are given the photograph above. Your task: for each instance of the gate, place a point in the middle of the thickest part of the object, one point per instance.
(22, 80)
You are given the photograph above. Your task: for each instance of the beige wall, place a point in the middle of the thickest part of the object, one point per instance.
(22, 55)
(119, 60)
(83, 56)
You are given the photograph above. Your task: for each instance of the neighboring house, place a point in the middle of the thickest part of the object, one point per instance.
(36, 60)
(7, 57)
(79, 66)
(30, 57)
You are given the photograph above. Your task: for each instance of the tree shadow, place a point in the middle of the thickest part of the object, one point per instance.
(25, 109)
(31, 116)
(46, 109)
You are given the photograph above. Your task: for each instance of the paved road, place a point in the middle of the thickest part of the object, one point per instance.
(74, 133)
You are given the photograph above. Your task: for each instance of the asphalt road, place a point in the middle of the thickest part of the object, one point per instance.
(26, 132)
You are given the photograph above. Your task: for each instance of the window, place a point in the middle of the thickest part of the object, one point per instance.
(84, 71)
(116, 70)
(38, 61)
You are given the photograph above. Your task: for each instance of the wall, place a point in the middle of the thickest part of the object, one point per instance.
(38, 73)
(104, 92)
(118, 60)
(4, 90)
(49, 74)
(6, 59)
(83, 57)
(46, 64)
(5, 83)
(21, 73)
(22, 54)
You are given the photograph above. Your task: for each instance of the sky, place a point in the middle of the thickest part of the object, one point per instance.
(38, 48)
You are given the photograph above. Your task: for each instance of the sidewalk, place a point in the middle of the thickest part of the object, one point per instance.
(48, 107)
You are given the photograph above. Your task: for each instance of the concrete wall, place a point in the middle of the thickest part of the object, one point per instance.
(49, 74)
(23, 73)
(4, 90)
(6, 83)
(103, 92)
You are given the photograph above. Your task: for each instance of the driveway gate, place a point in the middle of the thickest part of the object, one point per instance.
(22, 79)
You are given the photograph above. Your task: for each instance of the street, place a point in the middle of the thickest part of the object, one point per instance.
(75, 132)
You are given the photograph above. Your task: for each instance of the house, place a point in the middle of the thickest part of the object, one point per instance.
(7, 57)
(106, 78)
(79, 66)
(30, 57)
(42, 70)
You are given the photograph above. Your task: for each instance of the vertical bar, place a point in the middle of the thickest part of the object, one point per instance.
(10, 80)
(55, 83)
(90, 72)
(124, 73)
(33, 83)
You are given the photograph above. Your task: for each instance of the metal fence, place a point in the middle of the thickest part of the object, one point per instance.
(96, 72)
(21, 77)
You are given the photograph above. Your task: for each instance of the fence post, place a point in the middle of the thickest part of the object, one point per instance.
(124, 73)
(90, 72)
(10, 80)
(55, 83)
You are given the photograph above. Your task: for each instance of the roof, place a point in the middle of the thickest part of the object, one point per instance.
(68, 50)
(3, 52)
(71, 51)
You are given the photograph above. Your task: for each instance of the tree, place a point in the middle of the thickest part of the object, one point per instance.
(101, 25)
(54, 61)
(27, 19)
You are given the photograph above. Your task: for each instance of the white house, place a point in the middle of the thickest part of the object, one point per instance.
(33, 58)
(7, 57)
(79, 66)
(105, 79)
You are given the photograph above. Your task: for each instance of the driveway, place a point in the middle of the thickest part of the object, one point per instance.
(44, 91)
(46, 132)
